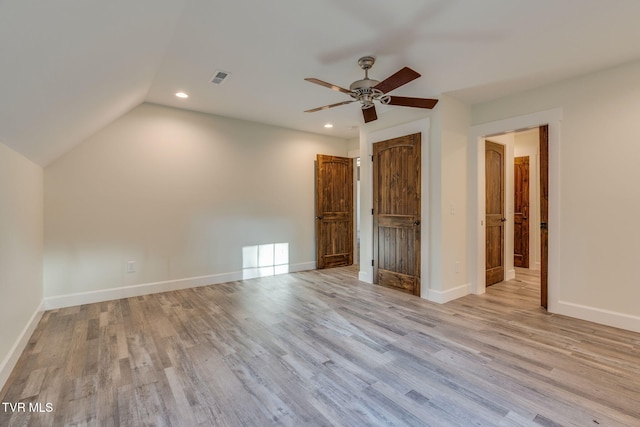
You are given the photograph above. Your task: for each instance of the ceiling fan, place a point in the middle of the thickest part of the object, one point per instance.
(367, 90)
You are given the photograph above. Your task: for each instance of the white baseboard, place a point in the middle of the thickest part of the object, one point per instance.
(364, 276)
(70, 300)
(18, 347)
(598, 315)
(442, 297)
(511, 274)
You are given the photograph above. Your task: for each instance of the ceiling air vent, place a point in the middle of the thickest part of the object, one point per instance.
(219, 76)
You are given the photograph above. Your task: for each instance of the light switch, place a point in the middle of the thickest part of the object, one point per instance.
(131, 267)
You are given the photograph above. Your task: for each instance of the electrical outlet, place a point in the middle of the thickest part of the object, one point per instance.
(131, 267)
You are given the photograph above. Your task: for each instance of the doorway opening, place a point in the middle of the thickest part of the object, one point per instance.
(549, 123)
(512, 204)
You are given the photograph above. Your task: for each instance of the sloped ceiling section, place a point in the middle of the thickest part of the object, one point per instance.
(69, 67)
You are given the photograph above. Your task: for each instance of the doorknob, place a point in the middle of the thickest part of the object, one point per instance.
(416, 223)
(503, 219)
(319, 217)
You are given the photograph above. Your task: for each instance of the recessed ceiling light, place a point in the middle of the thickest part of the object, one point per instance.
(328, 125)
(182, 95)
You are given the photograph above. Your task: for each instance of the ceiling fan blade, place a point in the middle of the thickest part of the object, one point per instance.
(398, 79)
(369, 114)
(329, 85)
(412, 102)
(326, 107)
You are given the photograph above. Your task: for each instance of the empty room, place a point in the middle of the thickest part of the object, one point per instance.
(334, 213)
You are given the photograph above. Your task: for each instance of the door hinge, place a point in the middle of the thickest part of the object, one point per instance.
(371, 211)
(371, 263)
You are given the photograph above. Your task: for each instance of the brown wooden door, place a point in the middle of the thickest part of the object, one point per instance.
(396, 213)
(521, 212)
(334, 211)
(494, 182)
(544, 213)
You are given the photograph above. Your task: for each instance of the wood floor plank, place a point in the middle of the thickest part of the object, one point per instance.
(320, 348)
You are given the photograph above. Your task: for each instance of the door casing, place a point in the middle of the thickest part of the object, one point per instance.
(368, 136)
(477, 135)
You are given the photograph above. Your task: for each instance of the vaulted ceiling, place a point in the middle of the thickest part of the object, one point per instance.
(70, 67)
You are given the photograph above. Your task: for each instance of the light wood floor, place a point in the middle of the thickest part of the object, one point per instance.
(320, 348)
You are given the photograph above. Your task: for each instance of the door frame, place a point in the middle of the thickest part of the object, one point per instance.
(477, 135)
(369, 135)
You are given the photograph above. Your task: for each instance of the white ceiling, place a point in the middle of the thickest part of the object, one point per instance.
(69, 67)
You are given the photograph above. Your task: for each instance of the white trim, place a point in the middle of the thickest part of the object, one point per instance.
(511, 274)
(364, 276)
(442, 297)
(102, 295)
(18, 347)
(598, 315)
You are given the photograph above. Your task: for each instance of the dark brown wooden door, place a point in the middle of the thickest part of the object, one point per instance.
(494, 182)
(521, 212)
(544, 213)
(334, 211)
(396, 208)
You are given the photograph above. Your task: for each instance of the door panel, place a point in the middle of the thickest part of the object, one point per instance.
(334, 211)
(521, 212)
(396, 206)
(494, 191)
(544, 213)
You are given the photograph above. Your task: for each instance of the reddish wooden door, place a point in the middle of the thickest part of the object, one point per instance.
(334, 211)
(544, 213)
(521, 212)
(396, 209)
(494, 193)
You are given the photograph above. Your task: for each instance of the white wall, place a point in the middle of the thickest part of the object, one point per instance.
(455, 117)
(20, 254)
(179, 193)
(594, 235)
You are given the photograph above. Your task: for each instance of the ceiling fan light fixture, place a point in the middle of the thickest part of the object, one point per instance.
(367, 90)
